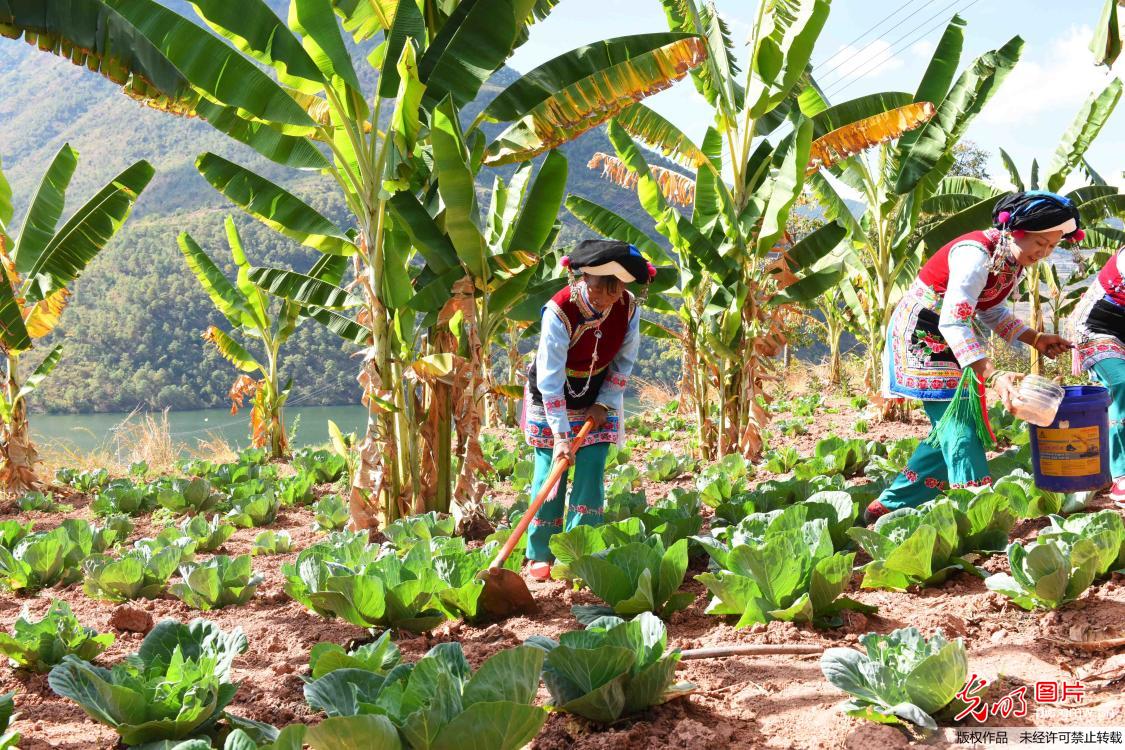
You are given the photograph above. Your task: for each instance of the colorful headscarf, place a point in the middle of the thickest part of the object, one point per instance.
(1038, 211)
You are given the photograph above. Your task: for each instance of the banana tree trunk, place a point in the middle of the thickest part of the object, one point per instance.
(1036, 316)
(511, 416)
(835, 363)
(277, 440)
(376, 483)
(17, 453)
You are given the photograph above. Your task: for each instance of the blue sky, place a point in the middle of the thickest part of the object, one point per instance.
(1026, 117)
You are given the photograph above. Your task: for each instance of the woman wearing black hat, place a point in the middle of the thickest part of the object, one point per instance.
(587, 346)
(932, 348)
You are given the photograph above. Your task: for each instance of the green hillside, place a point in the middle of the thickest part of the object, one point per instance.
(132, 331)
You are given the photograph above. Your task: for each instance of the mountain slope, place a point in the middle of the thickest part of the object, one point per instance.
(132, 331)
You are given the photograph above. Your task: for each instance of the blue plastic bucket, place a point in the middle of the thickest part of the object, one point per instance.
(1072, 453)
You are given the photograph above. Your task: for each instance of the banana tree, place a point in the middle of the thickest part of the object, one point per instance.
(247, 308)
(897, 180)
(735, 278)
(962, 204)
(317, 116)
(1110, 29)
(40, 263)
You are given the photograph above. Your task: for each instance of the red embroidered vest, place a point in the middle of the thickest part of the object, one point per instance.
(583, 327)
(935, 273)
(1110, 279)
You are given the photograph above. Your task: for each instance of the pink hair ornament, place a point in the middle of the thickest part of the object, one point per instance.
(565, 261)
(1004, 217)
(1018, 233)
(651, 271)
(1077, 236)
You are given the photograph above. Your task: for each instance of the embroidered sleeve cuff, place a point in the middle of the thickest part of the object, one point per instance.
(557, 418)
(1011, 329)
(969, 351)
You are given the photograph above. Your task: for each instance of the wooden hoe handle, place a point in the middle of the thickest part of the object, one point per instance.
(561, 465)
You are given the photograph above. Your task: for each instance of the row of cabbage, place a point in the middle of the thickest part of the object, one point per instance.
(174, 691)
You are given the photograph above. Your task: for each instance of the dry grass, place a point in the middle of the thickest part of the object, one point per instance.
(139, 437)
(654, 394)
(214, 448)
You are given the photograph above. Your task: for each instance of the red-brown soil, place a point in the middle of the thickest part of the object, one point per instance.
(767, 702)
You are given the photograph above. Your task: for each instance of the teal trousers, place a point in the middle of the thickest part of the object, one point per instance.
(587, 496)
(959, 462)
(1111, 374)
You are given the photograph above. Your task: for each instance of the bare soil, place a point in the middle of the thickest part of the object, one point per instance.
(766, 702)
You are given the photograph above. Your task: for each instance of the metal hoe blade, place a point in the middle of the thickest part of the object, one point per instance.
(505, 593)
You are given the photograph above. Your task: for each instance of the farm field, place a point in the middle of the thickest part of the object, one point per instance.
(462, 240)
(768, 701)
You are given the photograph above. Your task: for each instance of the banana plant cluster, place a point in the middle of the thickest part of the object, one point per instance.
(897, 182)
(424, 263)
(39, 265)
(247, 309)
(962, 204)
(737, 286)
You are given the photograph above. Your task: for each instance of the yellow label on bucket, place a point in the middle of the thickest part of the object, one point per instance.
(1074, 452)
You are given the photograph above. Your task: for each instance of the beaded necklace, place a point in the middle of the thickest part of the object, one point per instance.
(593, 355)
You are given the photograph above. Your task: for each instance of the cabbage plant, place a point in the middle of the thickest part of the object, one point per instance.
(439, 701)
(142, 572)
(12, 530)
(272, 542)
(256, 510)
(38, 645)
(39, 560)
(182, 495)
(404, 533)
(637, 577)
(664, 465)
(903, 677)
(381, 655)
(330, 513)
(1047, 574)
(8, 739)
(207, 535)
(984, 519)
(611, 669)
(371, 593)
(569, 546)
(175, 686)
(297, 489)
(779, 566)
(1025, 499)
(122, 496)
(42, 502)
(1104, 528)
(913, 546)
(676, 516)
(218, 582)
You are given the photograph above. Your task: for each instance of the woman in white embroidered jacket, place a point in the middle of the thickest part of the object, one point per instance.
(932, 344)
(587, 347)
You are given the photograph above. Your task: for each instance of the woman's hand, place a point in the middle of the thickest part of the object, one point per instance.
(599, 414)
(1007, 385)
(1051, 345)
(561, 448)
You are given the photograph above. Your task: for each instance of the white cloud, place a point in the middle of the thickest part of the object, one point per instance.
(1058, 77)
(923, 49)
(849, 63)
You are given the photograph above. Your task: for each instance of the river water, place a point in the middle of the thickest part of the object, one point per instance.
(86, 432)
